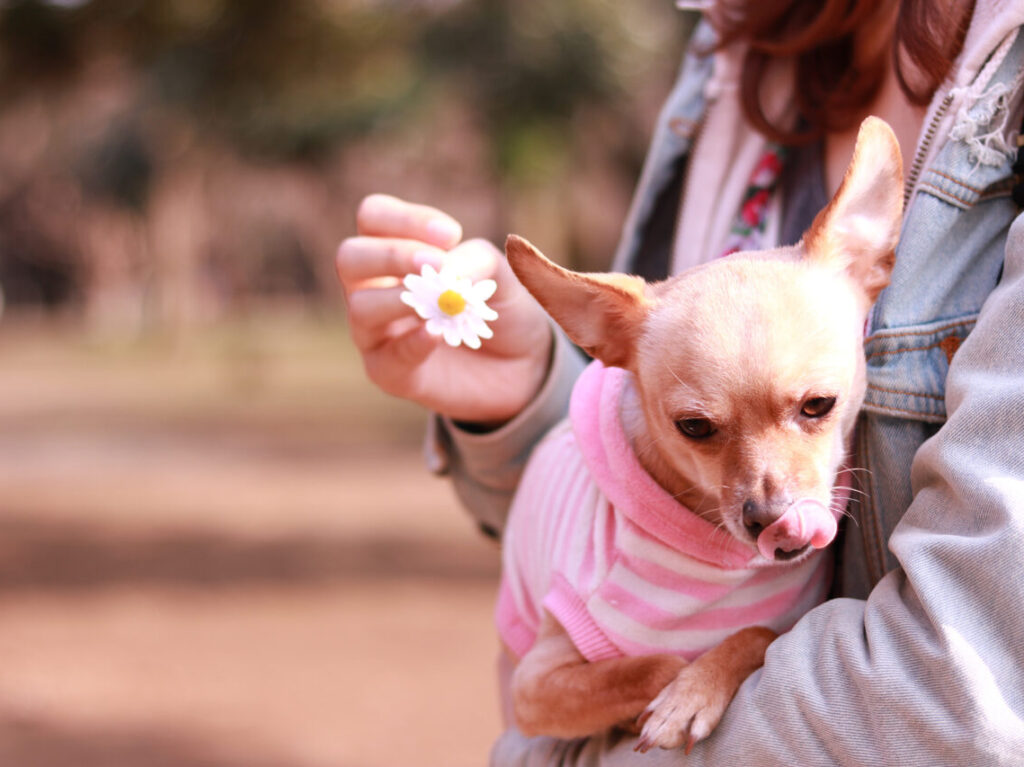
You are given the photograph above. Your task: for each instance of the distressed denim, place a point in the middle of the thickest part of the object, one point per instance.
(949, 259)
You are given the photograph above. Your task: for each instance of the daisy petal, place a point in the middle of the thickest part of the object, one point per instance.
(464, 287)
(485, 312)
(452, 336)
(484, 290)
(411, 300)
(465, 328)
(479, 327)
(436, 327)
(448, 279)
(414, 282)
(448, 272)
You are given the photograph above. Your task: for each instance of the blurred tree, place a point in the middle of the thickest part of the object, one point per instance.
(289, 79)
(144, 82)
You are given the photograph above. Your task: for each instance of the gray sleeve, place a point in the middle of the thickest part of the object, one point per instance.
(485, 467)
(927, 670)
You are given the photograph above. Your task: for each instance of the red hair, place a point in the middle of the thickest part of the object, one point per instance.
(834, 83)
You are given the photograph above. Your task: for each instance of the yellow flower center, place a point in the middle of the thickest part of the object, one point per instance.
(451, 303)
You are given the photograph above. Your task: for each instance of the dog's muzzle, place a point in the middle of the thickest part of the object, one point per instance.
(806, 522)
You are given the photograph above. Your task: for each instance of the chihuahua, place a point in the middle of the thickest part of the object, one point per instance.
(712, 426)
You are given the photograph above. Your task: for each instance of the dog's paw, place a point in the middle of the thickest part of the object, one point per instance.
(685, 712)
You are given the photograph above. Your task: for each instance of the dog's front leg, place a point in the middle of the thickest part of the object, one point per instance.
(689, 708)
(556, 691)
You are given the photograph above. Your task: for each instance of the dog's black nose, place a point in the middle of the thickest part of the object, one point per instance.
(757, 516)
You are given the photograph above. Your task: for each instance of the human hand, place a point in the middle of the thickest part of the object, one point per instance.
(489, 385)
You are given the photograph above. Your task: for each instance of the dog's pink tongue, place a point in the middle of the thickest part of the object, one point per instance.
(804, 522)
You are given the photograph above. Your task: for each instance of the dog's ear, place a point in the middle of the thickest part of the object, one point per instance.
(601, 313)
(861, 226)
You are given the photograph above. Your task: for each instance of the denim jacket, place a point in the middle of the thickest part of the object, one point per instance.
(920, 661)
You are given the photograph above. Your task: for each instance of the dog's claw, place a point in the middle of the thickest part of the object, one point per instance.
(691, 741)
(688, 734)
(643, 745)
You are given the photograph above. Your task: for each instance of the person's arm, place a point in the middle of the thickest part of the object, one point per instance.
(928, 670)
(485, 464)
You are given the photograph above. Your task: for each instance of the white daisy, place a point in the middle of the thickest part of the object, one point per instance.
(453, 306)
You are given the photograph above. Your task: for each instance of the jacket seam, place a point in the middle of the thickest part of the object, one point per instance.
(901, 334)
(869, 530)
(939, 191)
(996, 194)
(907, 393)
(887, 352)
(903, 411)
(956, 181)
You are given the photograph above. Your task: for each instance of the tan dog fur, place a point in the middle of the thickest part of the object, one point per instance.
(747, 345)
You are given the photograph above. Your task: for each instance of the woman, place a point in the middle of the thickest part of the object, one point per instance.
(919, 664)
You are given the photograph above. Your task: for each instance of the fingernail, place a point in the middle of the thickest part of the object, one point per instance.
(445, 231)
(422, 257)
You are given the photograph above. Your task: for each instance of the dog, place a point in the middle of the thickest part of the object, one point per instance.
(712, 428)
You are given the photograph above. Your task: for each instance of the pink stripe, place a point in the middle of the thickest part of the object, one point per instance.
(632, 605)
(559, 494)
(635, 607)
(603, 513)
(758, 612)
(580, 517)
(661, 576)
(512, 629)
(632, 647)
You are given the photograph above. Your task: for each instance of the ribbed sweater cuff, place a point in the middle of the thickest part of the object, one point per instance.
(570, 611)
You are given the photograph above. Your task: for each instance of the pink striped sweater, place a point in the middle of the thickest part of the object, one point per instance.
(621, 565)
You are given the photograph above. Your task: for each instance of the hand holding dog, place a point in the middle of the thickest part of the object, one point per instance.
(489, 385)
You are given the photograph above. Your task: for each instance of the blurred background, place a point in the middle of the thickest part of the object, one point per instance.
(218, 545)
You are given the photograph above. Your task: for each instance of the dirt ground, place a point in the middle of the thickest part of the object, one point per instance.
(226, 554)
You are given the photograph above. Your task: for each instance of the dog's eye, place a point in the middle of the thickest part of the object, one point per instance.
(695, 428)
(817, 407)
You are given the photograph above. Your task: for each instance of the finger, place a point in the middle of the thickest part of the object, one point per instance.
(477, 259)
(381, 215)
(391, 366)
(364, 258)
(370, 313)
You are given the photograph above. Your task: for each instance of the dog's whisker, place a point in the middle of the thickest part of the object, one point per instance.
(707, 497)
(850, 489)
(860, 469)
(842, 511)
(673, 374)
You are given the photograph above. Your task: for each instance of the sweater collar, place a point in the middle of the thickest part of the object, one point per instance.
(595, 413)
